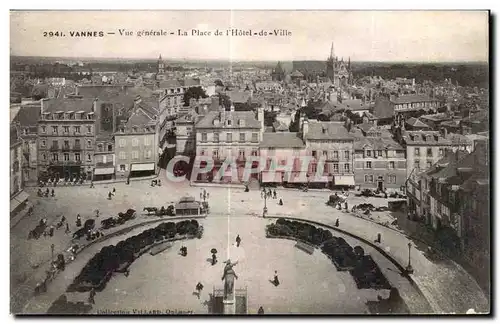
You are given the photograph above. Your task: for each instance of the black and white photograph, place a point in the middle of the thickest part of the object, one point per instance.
(250, 162)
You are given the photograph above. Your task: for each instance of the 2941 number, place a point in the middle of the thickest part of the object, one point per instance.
(53, 34)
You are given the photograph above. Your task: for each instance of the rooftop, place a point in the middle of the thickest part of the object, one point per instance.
(412, 98)
(64, 105)
(282, 140)
(248, 118)
(424, 138)
(377, 144)
(327, 131)
(416, 122)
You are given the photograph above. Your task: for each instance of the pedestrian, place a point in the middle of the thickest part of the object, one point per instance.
(274, 194)
(97, 213)
(214, 258)
(199, 288)
(346, 206)
(78, 220)
(91, 296)
(238, 240)
(261, 310)
(51, 230)
(67, 229)
(63, 219)
(159, 182)
(91, 184)
(109, 195)
(208, 195)
(281, 202)
(337, 223)
(114, 190)
(276, 281)
(201, 196)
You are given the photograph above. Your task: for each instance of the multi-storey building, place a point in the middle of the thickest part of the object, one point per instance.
(136, 145)
(66, 133)
(332, 148)
(229, 134)
(185, 134)
(280, 151)
(16, 149)
(379, 161)
(27, 120)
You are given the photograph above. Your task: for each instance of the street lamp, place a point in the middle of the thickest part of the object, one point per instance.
(409, 268)
(264, 195)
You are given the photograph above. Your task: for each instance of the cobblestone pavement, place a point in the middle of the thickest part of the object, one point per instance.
(309, 283)
(447, 286)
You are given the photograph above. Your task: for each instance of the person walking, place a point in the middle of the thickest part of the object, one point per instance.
(53, 194)
(199, 288)
(337, 223)
(97, 213)
(109, 195)
(91, 296)
(78, 220)
(114, 191)
(67, 229)
(91, 184)
(274, 194)
(261, 310)
(238, 240)
(276, 281)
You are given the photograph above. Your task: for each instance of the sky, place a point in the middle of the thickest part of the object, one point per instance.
(416, 36)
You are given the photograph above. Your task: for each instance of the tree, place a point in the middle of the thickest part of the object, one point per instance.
(194, 93)
(269, 118)
(219, 83)
(224, 101)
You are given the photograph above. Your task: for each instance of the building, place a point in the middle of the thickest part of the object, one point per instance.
(331, 148)
(228, 134)
(137, 144)
(279, 150)
(278, 73)
(379, 161)
(161, 66)
(399, 108)
(185, 134)
(66, 138)
(338, 71)
(17, 196)
(27, 122)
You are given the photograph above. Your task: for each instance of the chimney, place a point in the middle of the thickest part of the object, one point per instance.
(445, 132)
(94, 105)
(305, 128)
(41, 106)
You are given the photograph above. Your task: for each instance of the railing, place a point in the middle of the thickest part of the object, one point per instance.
(54, 148)
(77, 148)
(66, 148)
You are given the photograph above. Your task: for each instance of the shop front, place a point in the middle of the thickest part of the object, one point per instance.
(142, 169)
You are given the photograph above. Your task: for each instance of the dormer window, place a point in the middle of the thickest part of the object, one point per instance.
(134, 129)
(241, 122)
(324, 130)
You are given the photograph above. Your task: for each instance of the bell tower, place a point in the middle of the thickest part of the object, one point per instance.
(161, 66)
(330, 70)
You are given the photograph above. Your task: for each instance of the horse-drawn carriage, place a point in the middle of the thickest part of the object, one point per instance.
(87, 227)
(162, 211)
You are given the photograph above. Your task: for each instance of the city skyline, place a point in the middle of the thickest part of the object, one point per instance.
(364, 36)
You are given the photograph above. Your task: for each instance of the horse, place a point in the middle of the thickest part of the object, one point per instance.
(150, 210)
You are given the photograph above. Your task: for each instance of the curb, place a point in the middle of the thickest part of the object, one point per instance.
(369, 243)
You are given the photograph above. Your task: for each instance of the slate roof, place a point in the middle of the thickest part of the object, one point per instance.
(415, 122)
(238, 96)
(383, 108)
(327, 131)
(459, 139)
(172, 83)
(83, 104)
(377, 143)
(447, 166)
(234, 116)
(297, 74)
(14, 111)
(425, 138)
(412, 98)
(28, 115)
(191, 82)
(140, 119)
(279, 126)
(282, 140)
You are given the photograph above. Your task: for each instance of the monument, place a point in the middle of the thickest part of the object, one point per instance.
(228, 277)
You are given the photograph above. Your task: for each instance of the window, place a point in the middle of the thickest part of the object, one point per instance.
(99, 147)
(134, 129)
(429, 152)
(44, 157)
(313, 168)
(135, 142)
(66, 144)
(368, 165)
(325, 153)
(314, 154)
(110, 147)
(147, 141)
(135, 155)
(229, 137)
(43, 129)
(54, 129)
(216, 137)
(417, 151)
(122, 155)
(346, 155)
(89, 158)
(379, 153)
(368, 178)
(77, 143)
(147, 154)
(229, 122)
(255, 137)
(417, 165)
(43, 143)
(336, 155)
(122, 167)
(441, 152)
(55, 157)
(77, 157)
(122, 142)
(89, 143)
(203, 137)
(336, 167)
(346, 167)
(77, 129)
(369, 153)
(391, 179)
(66, 129)
(202, 152)
(254, 152)
(429, 164)
(392, 165)
(242, 137)
(54, 144)
(215, 153)
(89, 129)
(241, 153)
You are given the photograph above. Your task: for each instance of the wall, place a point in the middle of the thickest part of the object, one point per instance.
(145, 147)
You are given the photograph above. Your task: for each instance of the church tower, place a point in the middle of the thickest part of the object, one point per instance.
(330, 65)
(161, 66)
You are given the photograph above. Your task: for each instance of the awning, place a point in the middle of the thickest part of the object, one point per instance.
(104, 171)
(344, 180)
(18, 200)
(143, 167)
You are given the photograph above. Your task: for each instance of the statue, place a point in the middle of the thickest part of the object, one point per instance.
(229, 276)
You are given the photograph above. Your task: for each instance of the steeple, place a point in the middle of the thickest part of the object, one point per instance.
(159, 59)
(332, 54)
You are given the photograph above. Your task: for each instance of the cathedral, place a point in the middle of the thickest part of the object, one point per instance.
(278, 74)
(338, 71)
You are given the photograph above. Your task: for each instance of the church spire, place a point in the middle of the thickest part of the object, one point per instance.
(332, 54)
